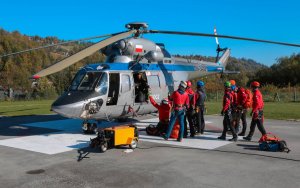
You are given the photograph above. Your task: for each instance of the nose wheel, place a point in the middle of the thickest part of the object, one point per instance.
(89, 128)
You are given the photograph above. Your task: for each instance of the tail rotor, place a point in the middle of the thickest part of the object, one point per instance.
(219, 49)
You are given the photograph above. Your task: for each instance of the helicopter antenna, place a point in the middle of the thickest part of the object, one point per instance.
(218, 45)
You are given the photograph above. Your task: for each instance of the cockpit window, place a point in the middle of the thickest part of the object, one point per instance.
(76, 80)
(85, 81)
(102, 84)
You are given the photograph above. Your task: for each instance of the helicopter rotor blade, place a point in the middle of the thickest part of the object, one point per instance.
(223, 36)
(58, 44)
(81, 54)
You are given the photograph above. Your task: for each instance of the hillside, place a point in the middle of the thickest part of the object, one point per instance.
(16, 70)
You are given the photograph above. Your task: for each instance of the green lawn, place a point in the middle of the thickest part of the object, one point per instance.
(20, 108)
(272, 110)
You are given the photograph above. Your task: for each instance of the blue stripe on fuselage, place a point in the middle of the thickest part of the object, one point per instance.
(153, 67)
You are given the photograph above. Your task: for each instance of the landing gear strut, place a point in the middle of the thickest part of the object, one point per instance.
(88, 127)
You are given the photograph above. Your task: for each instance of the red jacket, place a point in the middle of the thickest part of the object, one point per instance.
(258, 103)
(234, 99)
(191, 95)
(180, 100)
(163, 109)
(227, 100)
(241, 98)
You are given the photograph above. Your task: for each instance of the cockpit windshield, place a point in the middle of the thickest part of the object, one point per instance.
(86, 81)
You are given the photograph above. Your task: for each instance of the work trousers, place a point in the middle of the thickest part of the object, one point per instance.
(174, 115)
(259, 122)
(242, 116)
(190, 118)
(227, 123)
(200, 123)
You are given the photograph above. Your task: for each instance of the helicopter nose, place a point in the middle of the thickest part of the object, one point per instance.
(72, 110)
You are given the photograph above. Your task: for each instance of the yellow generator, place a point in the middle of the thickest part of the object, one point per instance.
(115, 136)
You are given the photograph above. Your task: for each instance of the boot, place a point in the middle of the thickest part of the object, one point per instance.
(234, 139)
(248, 138)
(241, 134)
(165, 137)
(222, 137)
(179, 139)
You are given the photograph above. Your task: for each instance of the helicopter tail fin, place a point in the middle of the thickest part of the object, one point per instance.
(224, 58)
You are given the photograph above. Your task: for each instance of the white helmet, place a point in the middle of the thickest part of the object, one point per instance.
(165, 101)
(183, 84)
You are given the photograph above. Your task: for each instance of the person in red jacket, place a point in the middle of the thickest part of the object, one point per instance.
(234, 110)
(163, 113)
(257, 111)
(242, 109)
(190, 111)
(226, 111)
(180, 104)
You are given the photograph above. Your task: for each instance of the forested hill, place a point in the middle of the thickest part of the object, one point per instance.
(16, 70)
(240, 64)
(248, 69)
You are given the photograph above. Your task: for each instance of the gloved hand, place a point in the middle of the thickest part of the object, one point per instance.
(222, 113)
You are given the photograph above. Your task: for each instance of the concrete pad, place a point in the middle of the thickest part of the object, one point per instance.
(205, 141)
(50, 143)
(70, 137)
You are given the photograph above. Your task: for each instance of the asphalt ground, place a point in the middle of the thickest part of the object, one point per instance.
(155, 163)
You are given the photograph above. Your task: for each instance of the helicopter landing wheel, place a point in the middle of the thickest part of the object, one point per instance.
(89, 128)
(103, 147)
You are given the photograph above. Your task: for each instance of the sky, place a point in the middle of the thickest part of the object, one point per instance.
(276, 20)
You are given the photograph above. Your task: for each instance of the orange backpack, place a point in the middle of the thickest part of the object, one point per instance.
(249, 98)
(269, 137)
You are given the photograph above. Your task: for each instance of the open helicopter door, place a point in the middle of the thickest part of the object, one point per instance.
(113, 92)
(141, 87)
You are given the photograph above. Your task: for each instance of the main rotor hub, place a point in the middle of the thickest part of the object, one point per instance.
(137, 25)
(140, 27)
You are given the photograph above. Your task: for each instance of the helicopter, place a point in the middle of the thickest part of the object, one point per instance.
(110, 90)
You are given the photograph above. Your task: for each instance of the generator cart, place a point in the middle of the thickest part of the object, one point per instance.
(115, 136)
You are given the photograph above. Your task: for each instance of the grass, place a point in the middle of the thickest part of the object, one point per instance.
(21, 108)
(272, 110)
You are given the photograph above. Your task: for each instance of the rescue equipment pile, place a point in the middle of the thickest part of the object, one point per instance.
(270, 142)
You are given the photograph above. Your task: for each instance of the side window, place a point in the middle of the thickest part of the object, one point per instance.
(153, 81)
(126, 84)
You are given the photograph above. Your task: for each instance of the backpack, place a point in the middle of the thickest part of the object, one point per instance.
(270, 142)
(249, 98)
